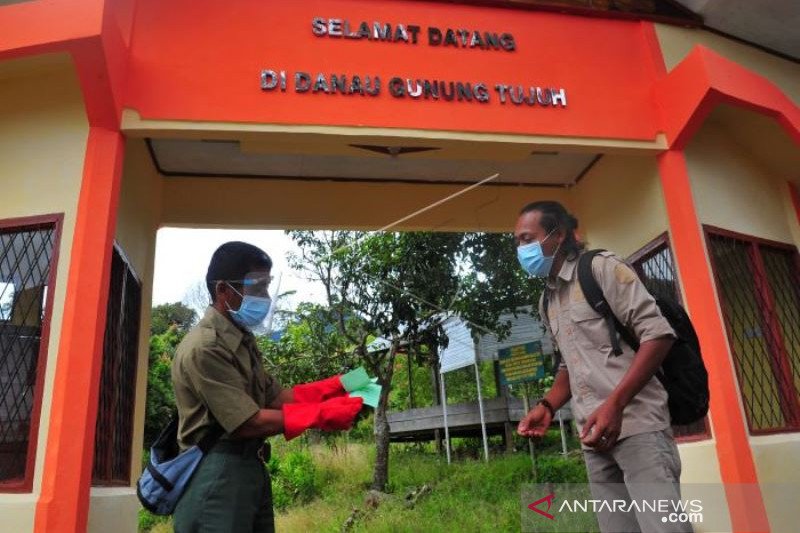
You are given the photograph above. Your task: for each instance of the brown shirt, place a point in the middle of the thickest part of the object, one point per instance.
(218, 377)
(582, 337)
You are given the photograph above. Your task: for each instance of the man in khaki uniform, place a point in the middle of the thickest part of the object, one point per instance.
(221, 387)
(620, 406)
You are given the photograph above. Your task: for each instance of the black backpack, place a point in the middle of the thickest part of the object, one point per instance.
(682, 373)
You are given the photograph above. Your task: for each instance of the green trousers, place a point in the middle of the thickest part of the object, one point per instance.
(229, 493)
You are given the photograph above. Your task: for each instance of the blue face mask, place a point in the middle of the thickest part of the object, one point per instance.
(252, 311)
(532, 258)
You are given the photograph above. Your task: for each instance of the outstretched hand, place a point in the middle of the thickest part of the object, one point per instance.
(535, 423)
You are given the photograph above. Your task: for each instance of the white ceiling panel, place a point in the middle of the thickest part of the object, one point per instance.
(225, 158)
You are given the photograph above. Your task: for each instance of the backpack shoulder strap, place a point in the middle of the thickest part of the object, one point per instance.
(545, 306)
(591, 289)
(546, 319)
(594, 296)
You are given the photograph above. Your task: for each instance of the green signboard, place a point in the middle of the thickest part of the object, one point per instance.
(521, 363)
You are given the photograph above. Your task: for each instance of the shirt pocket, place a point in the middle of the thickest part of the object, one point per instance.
(590, 329)
(582, 311)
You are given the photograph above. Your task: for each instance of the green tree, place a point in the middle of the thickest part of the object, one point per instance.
(387, 284)
(170, 322)
(175, 314)
(310, 347)
(400, 286)
(494, 283)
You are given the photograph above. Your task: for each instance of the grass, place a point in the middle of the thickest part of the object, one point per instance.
(468, 495)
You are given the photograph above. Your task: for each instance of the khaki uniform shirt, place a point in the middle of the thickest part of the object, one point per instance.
(218, 377)
(582, 337)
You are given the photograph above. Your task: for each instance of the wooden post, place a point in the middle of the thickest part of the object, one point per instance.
(502, 392)
(508, 436)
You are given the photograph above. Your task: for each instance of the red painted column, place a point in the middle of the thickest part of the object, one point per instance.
(736, 464)
(64, 501)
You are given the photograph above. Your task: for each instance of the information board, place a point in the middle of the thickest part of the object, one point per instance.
(521, 363)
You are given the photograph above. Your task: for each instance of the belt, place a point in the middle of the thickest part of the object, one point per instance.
(244, 448)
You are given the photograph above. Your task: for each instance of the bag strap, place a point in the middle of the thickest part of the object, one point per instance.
(597, 300)
(546, 317)
(159, 477)
(169, 435)
(210, 439)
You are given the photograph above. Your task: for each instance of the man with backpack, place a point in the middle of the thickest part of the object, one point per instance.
(620, 405)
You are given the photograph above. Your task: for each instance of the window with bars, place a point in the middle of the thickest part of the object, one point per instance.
(758, 283)
(656, 268)
(114, 429)
(27, 270)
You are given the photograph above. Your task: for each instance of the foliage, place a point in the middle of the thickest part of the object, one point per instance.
(420, 387)
(293, 478)
(315, 488)
(401, 286)
(494, 282)
(560, 469)
(175, 314)
(460, 385)
(476, 495)
(388, 284)
(309, 349)
(148, 521)
(170, 322)
(160, 404)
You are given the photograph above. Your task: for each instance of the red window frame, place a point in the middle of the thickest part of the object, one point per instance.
(54, 221)
(779, 358)
(649, 250)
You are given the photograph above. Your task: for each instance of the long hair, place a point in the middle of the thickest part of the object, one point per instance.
(555, 216)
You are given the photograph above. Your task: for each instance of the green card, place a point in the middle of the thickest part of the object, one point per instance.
(355, 379)
(371, 394)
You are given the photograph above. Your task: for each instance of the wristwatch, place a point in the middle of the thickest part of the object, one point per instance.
(549, 407)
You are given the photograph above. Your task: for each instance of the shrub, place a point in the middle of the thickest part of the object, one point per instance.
(561, 469)
(148, 520)
(293, 478)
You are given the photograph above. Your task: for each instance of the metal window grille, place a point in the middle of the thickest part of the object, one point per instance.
(656, 269)
(759, 288)
(783, 276)
(26, 254)
(114, 430)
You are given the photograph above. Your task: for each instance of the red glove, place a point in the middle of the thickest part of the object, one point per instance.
(330, 415)
(318, 391)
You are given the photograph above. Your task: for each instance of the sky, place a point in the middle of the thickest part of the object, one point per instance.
(182, 257)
